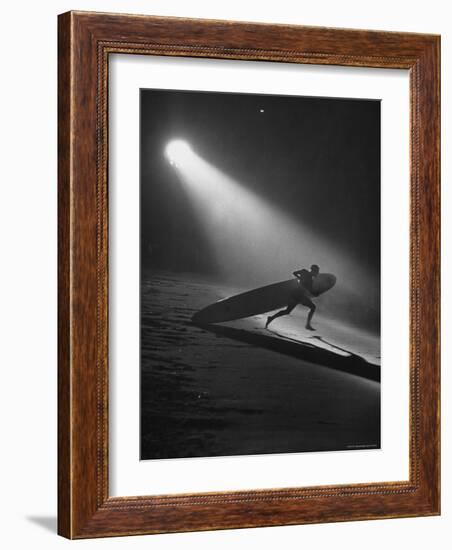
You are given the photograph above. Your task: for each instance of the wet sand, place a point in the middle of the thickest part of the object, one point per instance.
(237, 388)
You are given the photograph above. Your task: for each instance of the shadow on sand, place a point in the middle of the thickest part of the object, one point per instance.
(352, 364)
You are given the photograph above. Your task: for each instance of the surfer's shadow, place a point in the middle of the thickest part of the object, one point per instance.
(352, 364)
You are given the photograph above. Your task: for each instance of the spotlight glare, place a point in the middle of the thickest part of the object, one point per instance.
(178, 151)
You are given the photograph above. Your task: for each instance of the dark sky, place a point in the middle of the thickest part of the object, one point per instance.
(318, 159)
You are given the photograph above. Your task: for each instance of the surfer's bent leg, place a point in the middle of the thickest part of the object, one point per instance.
(310, 304)
(286, 311)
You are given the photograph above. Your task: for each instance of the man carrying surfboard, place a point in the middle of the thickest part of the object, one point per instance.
(301, 295)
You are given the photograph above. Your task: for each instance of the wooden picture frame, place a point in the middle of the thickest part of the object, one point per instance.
(85, 508)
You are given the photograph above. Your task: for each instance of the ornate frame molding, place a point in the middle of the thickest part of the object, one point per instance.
(85, 42)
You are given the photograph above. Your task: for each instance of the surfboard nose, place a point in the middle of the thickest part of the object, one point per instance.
(201, 317)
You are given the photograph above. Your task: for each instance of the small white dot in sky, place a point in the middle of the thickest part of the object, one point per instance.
(261, 110)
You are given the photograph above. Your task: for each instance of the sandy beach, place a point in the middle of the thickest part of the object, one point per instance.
(237, 388)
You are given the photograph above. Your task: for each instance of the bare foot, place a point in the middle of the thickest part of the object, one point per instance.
(309, 327)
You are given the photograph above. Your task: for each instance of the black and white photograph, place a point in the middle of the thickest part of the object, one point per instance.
(260, 274)
(224, 235)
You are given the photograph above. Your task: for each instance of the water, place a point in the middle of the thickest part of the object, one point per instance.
(238, 389)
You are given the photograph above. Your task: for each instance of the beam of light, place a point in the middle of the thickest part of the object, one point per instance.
(253, 242)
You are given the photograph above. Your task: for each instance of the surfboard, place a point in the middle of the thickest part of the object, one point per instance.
(258, 301)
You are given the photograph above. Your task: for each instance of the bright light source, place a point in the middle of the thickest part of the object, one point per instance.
(177, 151)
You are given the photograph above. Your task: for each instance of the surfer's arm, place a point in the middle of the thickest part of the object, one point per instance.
(297, 274)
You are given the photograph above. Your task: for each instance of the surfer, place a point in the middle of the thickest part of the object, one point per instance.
(301, 295)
